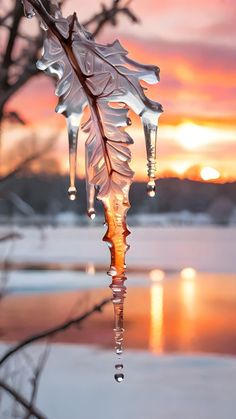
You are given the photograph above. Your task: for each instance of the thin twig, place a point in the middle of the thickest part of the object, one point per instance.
(11, 236)
(32, 157)
(35, 380)
(50, 332)
(20, 399)
(110, 15)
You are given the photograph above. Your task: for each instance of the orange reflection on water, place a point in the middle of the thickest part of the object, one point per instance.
(174, 315)
(156, 318)
(188, 291)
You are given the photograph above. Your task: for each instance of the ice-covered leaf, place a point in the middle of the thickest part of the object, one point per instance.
(103, 79)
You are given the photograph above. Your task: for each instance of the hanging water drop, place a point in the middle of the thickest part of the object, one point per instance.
(119, 377)
(92, 214)
(119, 350)
(119, 366)
(90, 193)
(72, 192)
(151, 188)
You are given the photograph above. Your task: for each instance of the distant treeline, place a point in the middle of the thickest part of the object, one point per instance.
(48, 195)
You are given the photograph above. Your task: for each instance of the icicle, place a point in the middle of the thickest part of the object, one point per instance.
(150, 124)
(90, 191)
(73, 122)
(28, 9)
(94, 76)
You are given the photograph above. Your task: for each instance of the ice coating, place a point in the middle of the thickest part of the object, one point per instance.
(103, 80)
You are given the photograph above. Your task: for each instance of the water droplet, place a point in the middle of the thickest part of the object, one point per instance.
(119, 366)
(119, 377)
(91, 214)
(72, 192)
(119, 351)
(151, 188)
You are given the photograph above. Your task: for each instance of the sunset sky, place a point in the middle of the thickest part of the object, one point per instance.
(194, 44)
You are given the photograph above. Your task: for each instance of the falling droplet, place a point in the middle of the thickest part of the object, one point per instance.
(72, 192)
(90, 193)
(119, 377)
(28, 9)
(151, 188)
(119, 366)
(92, 214)
(119, 350)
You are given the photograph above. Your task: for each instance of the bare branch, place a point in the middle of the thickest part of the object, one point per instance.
(7, 89)
(36, 379)
(20, 399)
(10, 236)
(50, 332)
(26, 162)
(110, 15)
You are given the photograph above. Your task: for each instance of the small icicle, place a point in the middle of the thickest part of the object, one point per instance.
(73, 122)
(28, 9)
(150, 124)
(90, 191)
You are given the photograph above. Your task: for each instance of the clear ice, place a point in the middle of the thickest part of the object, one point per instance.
(103, 80)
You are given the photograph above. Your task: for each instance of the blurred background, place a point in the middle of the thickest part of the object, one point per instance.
(194, 47)
(180, 312)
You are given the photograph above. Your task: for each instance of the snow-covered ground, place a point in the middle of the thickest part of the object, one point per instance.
(78, 383)
(207, 249)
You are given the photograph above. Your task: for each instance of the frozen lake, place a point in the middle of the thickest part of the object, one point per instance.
(207, 249)
(180, 337)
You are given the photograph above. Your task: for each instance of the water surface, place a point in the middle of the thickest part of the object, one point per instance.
(174, 314)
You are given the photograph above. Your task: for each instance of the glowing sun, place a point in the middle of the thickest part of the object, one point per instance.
(209, 173)
(192, 136)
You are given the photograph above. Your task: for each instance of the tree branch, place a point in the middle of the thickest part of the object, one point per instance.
(50, 332)
(109, 15)
(25, 162)
(35, 380)
(20, 399)
(10, 236)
